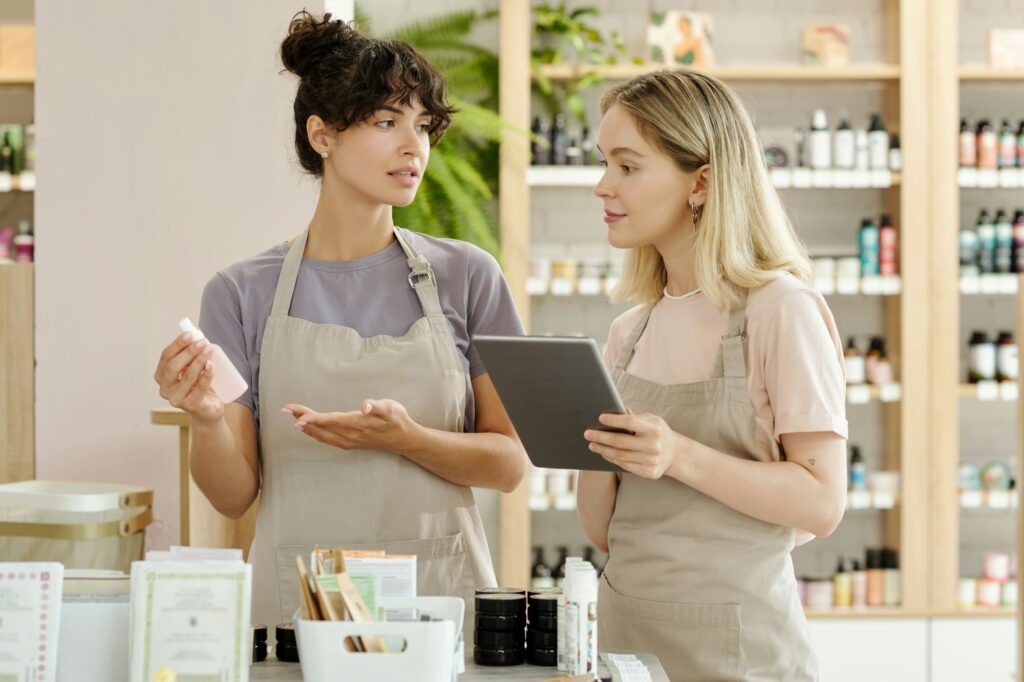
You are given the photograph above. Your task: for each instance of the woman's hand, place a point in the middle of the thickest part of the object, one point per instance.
(380, 425)
(648, 452)
(185, 375)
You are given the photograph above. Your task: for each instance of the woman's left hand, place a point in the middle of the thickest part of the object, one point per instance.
(380, 425)
(648, 452)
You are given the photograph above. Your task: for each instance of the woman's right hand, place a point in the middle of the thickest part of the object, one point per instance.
(185, 375)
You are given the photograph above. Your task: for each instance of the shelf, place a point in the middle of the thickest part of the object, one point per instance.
(1005, 391)
(17, 77)
(861, 394)
(24, 182)
(999, 500)
(988, 73)
(170, 417)
(990, 178)
(782, 178)
(991, 285)
(765, 73)
(867, 613)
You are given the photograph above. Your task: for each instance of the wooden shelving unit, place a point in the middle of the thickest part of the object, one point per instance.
(768, 73)
(904, 78)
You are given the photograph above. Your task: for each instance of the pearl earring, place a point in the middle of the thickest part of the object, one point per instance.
(323, 155)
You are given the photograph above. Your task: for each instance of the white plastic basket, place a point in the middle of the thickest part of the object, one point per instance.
(81, 525)
(429, 654)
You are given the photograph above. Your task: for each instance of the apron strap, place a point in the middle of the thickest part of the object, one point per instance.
(626, 354)
(421, 277)
(730, 362)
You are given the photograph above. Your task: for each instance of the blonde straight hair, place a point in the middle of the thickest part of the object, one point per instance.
(744, 238)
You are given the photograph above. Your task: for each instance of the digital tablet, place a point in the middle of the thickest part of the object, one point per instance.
(554, 389)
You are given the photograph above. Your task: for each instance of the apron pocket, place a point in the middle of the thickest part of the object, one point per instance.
(699, 642)
(442, 567)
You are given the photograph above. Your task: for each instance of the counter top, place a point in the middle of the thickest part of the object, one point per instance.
(273, 670)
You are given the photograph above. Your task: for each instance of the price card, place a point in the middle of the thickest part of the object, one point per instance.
(848, 285)
(970, 284)
(988, 177)
(999, 499)
(565, 501)
(589, 286)
(1008, 391)
(1007, 284)
(562, 287)
(802, 177)
(988, 390)
(842, 178)
(881, 178)
(883, 500)
(535, 286)
(967, 177)
(1009, 177)
(861, 178)
(871, 286)
(890, 393)
(822, 178)
(6, 182)
(858, 394)
(859, 499)
(30, 608)
(27, 181)
(970, 499)
(782, 178)
(539, 503)
(990, 284)
(892, 285)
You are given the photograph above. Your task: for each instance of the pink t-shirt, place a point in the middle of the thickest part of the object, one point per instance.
(794, 355)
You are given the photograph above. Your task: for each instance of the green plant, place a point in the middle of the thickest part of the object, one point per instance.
(558, 30)
(458, 193)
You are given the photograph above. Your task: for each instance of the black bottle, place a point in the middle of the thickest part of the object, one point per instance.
(7, 155)
(587, 148)
(540, 574)
(563, 553)
(541, 152)
(559, 141)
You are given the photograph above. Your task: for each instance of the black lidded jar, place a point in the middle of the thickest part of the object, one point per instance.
(287, 648)
(259, 643)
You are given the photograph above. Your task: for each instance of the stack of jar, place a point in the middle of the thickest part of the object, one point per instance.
(873, 270)
(500, 634)
(996, 587)
(542, 627)
(17, 248)
(850, 586)
(993, 360)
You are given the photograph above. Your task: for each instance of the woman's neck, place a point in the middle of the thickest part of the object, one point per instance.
(346, 226)
(677, 254)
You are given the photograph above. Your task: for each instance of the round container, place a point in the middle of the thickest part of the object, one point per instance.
(969, 476)
(287, 650)
(989, 593)
(996, 567)
(542, 656)
(494, 622)
(1010, 595)
(259, 643)
(499, 657)
(538, 639)
(502, 603)
(544, 603)
(491, 639)
(558, 481)
(500, 590)
(544, 623)
(819, 594)
(996, 476)
(967, 593)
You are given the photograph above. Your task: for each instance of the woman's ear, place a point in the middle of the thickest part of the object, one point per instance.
(700, 188)
(320, 136)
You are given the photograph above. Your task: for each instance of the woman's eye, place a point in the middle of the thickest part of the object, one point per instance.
(603, 162)
(387, 123)
(626, 170)
(424, 127)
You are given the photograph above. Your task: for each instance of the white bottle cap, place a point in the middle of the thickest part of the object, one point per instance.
(819, 121)
(186, 325)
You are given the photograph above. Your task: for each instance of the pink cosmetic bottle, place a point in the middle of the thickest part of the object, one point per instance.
(228, 384)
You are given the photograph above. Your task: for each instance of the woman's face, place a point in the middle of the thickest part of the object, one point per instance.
(644, 192)
(383, 158)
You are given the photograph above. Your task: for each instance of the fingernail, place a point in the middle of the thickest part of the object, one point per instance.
(208, 351)
(592, 446)
(209, 366)
(287, 411)
(201, 343)
(300, 425)
(188, 337)
(586, 434)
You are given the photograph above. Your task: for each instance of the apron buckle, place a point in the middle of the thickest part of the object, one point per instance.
(429, 274)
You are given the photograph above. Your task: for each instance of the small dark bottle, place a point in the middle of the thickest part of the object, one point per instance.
(559, 141)
(563, 553)
(540, 147)
(540, 574)
(587, 147)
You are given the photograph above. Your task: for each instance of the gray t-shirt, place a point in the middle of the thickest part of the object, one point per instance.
(371, 295)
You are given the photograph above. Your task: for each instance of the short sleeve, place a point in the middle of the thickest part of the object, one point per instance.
(805, 377)
(490, 309)
(220, 319)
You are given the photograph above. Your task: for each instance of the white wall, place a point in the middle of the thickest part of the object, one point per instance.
(164, 154)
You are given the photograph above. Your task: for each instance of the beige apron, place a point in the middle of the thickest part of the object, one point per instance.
(707, 589)
(313, 493)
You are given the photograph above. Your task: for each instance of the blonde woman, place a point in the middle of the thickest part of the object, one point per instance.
(731, 366)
